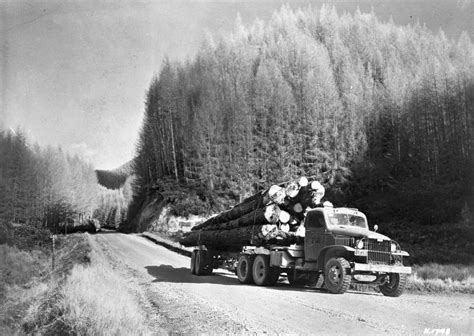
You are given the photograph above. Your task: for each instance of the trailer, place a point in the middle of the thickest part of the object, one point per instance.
(333, 248)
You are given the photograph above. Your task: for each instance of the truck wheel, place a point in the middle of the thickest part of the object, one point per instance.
(261, 270)
(395, 285)
(335, 275)
(244, 269)
(203, 263)
(193, 262)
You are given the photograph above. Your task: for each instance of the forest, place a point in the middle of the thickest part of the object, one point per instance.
(47, 190)
(381, 114)
(42, 184)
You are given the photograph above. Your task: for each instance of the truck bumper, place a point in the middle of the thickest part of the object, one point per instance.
(381, 268)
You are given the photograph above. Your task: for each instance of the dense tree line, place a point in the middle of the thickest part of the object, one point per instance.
(112, 203)
(43, 186)
(116, 178)
(367, 107)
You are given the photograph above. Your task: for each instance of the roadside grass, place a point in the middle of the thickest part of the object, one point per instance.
(434, 278)
(83, 296)
(96, 301)
(437, 278)
(27, 280)
(20, 267)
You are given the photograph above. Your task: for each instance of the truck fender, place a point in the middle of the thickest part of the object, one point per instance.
(334, 251)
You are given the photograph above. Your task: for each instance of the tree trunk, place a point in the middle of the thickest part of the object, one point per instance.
(255, 234)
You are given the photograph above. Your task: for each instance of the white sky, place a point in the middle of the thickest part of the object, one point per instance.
(75, 73)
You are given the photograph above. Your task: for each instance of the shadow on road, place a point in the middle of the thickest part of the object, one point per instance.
(106, 231)
(167, 273)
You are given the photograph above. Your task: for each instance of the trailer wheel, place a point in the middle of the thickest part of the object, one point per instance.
(203, 263)
(336, 278)
(244, 269)
(262, 270)
(193, 262)
(395, 285)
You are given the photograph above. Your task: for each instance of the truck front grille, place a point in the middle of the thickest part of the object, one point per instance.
(379, 252)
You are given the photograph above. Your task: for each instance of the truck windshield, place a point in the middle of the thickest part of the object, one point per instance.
(347, 219)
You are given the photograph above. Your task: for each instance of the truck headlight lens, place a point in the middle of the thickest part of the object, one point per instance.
(393, 247)
(360, 244)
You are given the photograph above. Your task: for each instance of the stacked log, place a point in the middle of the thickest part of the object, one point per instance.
(248, 235)
(269, 216)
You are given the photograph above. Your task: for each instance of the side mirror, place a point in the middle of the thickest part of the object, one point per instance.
(376, 227)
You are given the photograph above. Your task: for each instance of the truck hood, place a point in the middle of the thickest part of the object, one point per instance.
(357, 232)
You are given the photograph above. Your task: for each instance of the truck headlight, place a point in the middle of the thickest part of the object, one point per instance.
(360, 244)
(393, 247)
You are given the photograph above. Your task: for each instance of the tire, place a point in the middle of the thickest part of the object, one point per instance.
(193, 262)
(203, 263)
(395, 285)
(336, 278)
(244, 269)
(261, 270)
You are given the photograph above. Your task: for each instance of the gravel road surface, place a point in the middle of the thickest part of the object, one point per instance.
(179, 302)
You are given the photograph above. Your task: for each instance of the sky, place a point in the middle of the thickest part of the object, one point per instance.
(75, 73)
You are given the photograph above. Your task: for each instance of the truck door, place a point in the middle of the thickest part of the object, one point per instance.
(314, 235)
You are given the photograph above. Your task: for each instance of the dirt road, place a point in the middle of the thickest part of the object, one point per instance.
(182, 303)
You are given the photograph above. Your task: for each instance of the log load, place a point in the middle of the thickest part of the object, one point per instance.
(248, 235)
(260, 200)
(271, 215)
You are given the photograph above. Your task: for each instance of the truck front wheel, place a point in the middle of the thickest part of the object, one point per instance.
(336, 278)
(244, 269)
(395, 285)
(263, 274)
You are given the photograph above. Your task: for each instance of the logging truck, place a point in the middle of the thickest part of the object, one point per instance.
(335, 248)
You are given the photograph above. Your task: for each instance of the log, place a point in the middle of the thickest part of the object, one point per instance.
(301, 197)
(293, 188)
(248, 205)
(275, 194)
(268, 215)
(255, 234)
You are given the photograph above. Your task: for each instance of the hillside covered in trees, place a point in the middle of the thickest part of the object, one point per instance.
(43, 187)
(43, 190)
(381, 114)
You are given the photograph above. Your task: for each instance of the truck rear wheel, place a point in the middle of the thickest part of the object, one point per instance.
(203, 263)
(244, 269)
(336, 278)
(395, 285)
(261, 270)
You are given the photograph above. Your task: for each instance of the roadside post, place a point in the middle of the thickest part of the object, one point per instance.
(53, 244)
